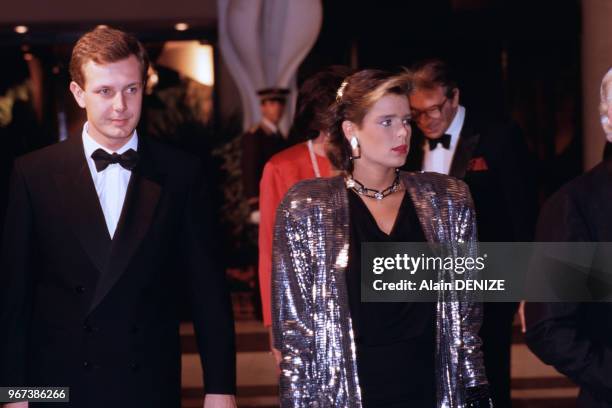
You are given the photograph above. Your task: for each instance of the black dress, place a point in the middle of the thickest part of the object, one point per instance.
(395, 341)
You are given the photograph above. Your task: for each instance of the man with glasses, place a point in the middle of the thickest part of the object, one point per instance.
(492, 158)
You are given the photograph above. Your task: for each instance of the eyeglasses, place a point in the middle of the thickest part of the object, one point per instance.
(433, 112)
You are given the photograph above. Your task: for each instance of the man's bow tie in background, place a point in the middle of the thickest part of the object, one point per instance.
(444, 140)
(127, 160)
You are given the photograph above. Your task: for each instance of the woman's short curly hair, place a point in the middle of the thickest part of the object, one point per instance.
(357, 94)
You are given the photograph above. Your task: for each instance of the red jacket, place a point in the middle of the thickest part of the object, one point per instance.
(280, 173)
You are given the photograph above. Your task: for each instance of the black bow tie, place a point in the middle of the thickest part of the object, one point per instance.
(444, 140)
(127, 160)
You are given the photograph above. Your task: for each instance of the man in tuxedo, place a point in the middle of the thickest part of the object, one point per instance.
(262, 142)
(576, 337)
(101, 232)
(491, 157)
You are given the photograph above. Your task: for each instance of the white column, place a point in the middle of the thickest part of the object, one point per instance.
(263, 43)
(596, 60)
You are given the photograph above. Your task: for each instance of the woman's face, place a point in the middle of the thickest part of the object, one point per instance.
(384, 134)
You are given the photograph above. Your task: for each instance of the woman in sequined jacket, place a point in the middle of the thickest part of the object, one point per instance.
(318, 320)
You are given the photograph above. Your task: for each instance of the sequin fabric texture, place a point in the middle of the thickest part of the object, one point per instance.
(310, 310)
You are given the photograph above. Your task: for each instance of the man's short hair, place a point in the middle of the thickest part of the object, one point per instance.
(105, 45)
(431, 73)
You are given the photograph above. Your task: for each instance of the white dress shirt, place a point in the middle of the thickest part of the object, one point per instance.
(112, 182)
(269, 125)
(440, 159)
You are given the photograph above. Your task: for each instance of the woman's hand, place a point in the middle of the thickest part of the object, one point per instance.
(275, 352)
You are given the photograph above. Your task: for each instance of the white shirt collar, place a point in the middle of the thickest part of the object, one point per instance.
(456, 125)
(439, 159)
(90, 145)
(271, 126)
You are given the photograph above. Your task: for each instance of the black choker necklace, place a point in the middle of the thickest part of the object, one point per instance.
(359, 188)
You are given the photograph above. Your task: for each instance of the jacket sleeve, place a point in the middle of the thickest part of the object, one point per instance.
(269, 199)
(209, 293)
(251, 170)
(292, 307)
(470, 350)
(554, 329)
(15, 282)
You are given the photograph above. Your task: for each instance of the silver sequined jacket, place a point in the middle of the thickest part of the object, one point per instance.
(310, 311)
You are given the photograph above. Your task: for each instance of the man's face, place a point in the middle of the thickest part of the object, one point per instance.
(608, 103)
(112, 97)
(432, 110)
(272, 110)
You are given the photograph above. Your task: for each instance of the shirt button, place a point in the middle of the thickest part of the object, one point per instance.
(87, 328)
(134, 366)
(87, 365)
(79, 289)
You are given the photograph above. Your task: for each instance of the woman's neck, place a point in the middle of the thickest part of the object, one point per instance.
(377, 178)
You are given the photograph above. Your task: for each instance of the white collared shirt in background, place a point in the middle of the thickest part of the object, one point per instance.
(440, 159)
(111, 183)
(269, 125)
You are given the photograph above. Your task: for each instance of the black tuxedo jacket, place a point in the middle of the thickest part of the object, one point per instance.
(576, 338)
(504, 193)
(78, 309)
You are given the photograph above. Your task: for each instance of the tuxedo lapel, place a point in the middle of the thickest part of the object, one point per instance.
(81, 204)
(144, 190)
(468, 140)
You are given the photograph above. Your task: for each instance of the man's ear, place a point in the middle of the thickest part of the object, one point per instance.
(78, 94)
(455, 100)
